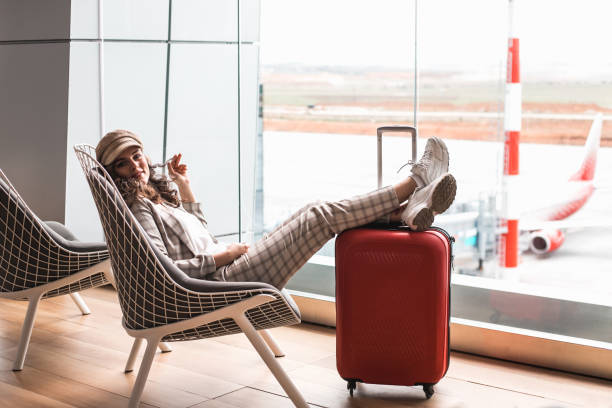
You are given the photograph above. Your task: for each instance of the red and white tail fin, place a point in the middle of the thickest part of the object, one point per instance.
(587, 169)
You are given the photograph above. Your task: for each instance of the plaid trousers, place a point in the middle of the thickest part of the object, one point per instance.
(278, 256)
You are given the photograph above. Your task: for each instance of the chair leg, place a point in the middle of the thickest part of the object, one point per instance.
(164, 347)
(129, 366)
(271, 343)
(110, 278)
(143, 372)
(266, 355)
(26, 332)
(80, 303)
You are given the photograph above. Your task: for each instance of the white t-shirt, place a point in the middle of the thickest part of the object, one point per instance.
(200, 236)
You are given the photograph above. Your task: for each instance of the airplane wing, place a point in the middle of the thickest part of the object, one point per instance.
(535, 225)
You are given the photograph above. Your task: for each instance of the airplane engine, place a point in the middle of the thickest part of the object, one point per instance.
(545, 241)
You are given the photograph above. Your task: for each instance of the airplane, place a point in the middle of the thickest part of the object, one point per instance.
(543, 224)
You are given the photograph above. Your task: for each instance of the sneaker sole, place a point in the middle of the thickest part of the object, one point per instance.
(444, 194)
(423, 219)
(441, 198)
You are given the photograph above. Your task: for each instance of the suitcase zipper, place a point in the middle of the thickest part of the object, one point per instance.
(451, 241)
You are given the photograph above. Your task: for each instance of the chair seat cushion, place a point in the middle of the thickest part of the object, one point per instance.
(62, 230)
(65, 238)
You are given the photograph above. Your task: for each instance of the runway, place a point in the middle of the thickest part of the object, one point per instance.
(303, 167)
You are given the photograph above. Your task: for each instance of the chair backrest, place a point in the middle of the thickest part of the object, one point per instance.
(152, 291)
(31, 253)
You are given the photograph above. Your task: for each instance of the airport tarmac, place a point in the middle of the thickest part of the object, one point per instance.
(303, 167)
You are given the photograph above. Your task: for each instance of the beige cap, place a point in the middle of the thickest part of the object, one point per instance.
(113, 143)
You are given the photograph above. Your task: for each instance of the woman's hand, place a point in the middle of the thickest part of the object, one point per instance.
(236, 250)
(232, 252)
(178, 174)
(178, 171)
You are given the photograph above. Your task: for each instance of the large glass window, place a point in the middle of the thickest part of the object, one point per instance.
(330, 77)
(562, 283)
(328, 81)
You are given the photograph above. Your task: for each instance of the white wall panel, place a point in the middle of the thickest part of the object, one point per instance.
(84, 19)
(134, 91)
(249, 20)
(136, 19)
(208, 20)
(83, 127)
(249, 99)
(215, 20)
(203, 125)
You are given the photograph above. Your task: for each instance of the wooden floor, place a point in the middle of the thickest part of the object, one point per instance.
(77, 361)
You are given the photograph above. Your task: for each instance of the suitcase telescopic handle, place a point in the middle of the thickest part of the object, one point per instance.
(384, 129)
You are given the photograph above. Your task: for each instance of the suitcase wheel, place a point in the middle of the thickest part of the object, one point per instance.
(429, 390)
(351, 385)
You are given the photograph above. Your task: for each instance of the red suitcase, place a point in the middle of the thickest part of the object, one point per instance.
(393, 304)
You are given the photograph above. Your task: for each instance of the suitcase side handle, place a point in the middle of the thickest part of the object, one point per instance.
(383, 129)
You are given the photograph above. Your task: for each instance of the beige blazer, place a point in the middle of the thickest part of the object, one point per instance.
(169, 236)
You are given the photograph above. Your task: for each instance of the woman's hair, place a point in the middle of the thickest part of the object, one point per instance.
(158, 189)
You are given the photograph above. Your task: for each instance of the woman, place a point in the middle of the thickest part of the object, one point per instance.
(175, 223)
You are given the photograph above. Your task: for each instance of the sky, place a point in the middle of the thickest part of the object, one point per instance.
(556, 37)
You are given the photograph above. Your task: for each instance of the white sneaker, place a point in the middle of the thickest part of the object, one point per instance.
(432, 164)
(426, 202)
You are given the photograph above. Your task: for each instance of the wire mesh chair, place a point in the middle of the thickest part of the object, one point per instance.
(42, 260)
(161, 303)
